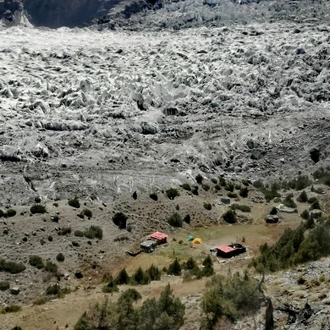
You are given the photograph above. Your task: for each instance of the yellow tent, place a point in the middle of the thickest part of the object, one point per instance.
(197, 241)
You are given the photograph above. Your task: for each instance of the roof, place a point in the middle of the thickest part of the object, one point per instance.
(157, 235)
(225, 248)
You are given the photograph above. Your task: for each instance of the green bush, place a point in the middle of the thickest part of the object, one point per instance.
(243, 208)
(217, 187)
(270, 194)
(195, 190)
(11, 267)
(244, 192)
(207, 206)
(172, 193)
(222, 181)
(154, 273)
(187, 219)
(214, 180)
(305, 214)
(37, 208)
(311, 200)
(230, 216)
(245, 182)
(120, 219)
(4, 286)
(154, 196)
(122, 277)
(232, 195)
(273, 211)
(94, 232)
(60, 257)
(175, 220)
(288, 202)
(301, 182)
(230, 297)
(11, 309)
(2, 214)
(53, 290)
(140, 277)
(74, 203)
(208, 267)
(199, 178)
(51, 267)
(302, 198)
(186, 186)
(36, 261)
(88, 213)
(10, 213)
(79, 233)
(315, 206)
(230, 187)
(110, 287)
(258, 184)
(206, 187)
(174, 268)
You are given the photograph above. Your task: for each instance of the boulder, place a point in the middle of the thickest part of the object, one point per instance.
(315, 213)
(15, 290)
(272, 218)
(225, 200)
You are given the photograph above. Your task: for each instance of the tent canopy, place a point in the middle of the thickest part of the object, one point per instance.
(197, 240)
(190, 238)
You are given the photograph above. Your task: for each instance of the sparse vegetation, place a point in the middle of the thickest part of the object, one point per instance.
(10, 309)
(186, 186)
(243, 208)
(172, 193)
(244, 192)
(37, 208)
(87, 212)
(79, 233)
(51, 267)
(206, 187)
(232, 195)
(94, 232)
(175, 220)
(74, 203)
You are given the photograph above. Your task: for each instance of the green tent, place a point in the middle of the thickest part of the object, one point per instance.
(190, 238)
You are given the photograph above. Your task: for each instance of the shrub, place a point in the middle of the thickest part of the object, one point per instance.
(302, 198)
(230, 297)
(273, 211)
(74, 203)
(288, 202)
(229, 216)
(50, 238)
(154, 196)
(195, 190)
(208, 267)
(120, 219)
(2, 214)
(187, 219)
(305, 214)
(174, 268)
(206, 187)
(186, 186)
(199, 178)
(175, 220)
(177, 207)
(55, 204)
(217, 187)
(245, 182)
(4, 286)
(315, 206)
(244, 192)
(53, 290)
(214, 180)
(94, 232)
(232, 195)
(258, 184)
(207, 206)
(222, 181)
(79, 233)
(270, 194)
(11, 267)
(51, 267)
(60, 257)
(140, 277)
(36, 261)
(230, 187)
(122, 278)
(37, 208)
(65, 231)
(243, 208)
(11, 309)
(311, 200)
(172, 193)
(154, 273)
(88, 213)
(10, 213)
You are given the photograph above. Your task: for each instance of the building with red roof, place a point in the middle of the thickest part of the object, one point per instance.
(161, 238)
(228, 251)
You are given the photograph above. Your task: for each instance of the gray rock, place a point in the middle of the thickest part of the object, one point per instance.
(15, 290)
(271, 218)
(315, 213)
(225, 200)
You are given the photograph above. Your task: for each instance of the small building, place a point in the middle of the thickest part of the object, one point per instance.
(148, 245)
(272, 218)
(231, 250)
(160, 238)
